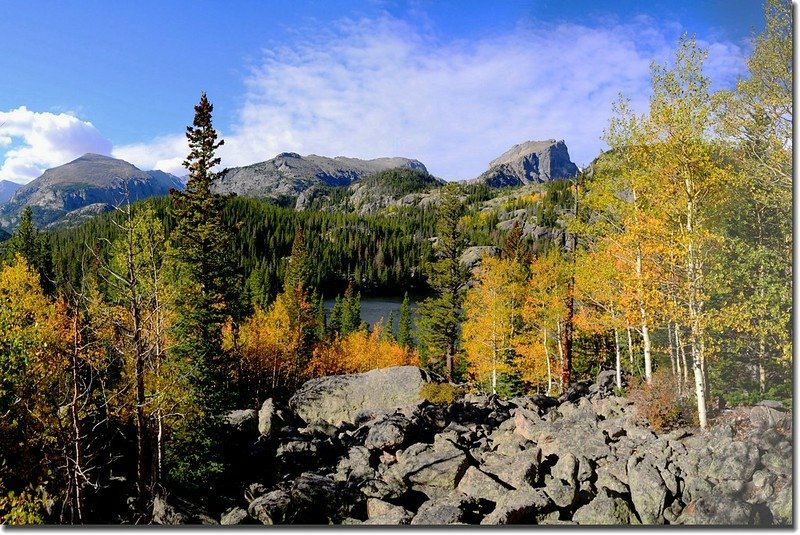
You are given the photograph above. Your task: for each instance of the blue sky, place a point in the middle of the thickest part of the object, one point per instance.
(451, 83)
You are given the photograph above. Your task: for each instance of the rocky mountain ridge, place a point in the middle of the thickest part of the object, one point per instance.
(85, 186)
(367, 449)
(71, 193)
(290, 174)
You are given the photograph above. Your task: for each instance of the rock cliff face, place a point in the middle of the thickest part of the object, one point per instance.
(530, 162)
(88, 185)
(584, 458)
(291, 174)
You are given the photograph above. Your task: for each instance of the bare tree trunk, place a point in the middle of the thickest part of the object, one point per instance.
(619, 359)
(560, 354)
(76, 471)
(630, 348)
(547, 358)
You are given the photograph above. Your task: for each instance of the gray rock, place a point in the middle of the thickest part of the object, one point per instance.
(395, 517)
(165, 513)
(648, 491)
(439, 513)
(737, 460)
(518, 470)
(781, 506)
(271, 508)
(266, 418)
(388, 434)
(717, 510)
(566, 469)
(472, 256)
(605, 510)
(520, 506)
(479, 484)
(355, 467)
(377, 508)
(777, 463)
(243, 420)
(233, 516)
(765, 417)
(564, 495)
(432, 472)
(526, 423)
(338, 398)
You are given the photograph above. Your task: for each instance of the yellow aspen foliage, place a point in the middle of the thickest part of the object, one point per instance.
(492, 308)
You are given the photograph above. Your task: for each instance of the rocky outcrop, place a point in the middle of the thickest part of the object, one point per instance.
(583, 458)
(530, 162)
(82, 188)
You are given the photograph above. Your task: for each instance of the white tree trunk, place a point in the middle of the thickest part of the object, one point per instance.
(619, 359)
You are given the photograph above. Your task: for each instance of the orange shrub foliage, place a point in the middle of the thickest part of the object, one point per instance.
(658, 402)
(359, 351)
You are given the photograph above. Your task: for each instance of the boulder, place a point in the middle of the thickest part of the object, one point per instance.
(388, 434)
(266, 418)
(355, 467)
(338, 398)
(517, 470)
(605, 510)
(271, 508)
(478, 484)
(717, 510)
(233, 516)
(243, 420)
(564, 495)
(520, 506)
(434, 472)
(395, 517)
(439, 513)
(648, 491)
(736, 460)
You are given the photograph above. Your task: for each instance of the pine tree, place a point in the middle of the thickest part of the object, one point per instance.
(404, 337)
(206, 293)
(441, 315)
(335, 322)
(33, 246)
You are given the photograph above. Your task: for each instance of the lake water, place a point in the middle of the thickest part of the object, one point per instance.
(375, 308)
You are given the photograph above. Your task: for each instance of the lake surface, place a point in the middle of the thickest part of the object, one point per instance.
(376, 308)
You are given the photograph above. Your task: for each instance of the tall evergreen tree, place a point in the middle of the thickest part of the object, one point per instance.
(404, 337)
(33, 246)
(207, 290)
(441, 315)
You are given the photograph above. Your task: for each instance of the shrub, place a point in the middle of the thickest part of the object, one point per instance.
(658, 402)
(441, 393)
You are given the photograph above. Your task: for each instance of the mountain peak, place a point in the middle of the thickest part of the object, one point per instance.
(530, 162)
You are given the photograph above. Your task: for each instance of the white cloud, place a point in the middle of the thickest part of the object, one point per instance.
(165, 153)
(384, 88)
(35, 141)
(387, 87)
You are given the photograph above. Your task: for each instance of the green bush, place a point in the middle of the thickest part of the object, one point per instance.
(440, 393)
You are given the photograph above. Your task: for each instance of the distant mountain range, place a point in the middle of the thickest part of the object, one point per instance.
(71, 193)
(83, 187)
